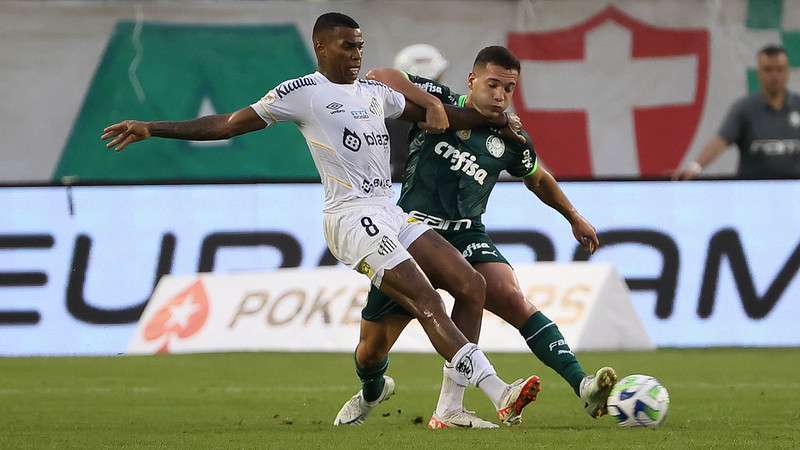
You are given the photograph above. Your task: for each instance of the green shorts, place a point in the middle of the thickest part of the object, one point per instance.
(474, 244)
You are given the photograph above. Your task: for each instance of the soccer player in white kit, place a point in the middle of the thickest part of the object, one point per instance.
(342, 120)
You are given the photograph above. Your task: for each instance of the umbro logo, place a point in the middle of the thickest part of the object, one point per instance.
(335, 107)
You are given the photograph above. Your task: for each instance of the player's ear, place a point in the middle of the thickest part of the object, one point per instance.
(319, 46)
(471, 79)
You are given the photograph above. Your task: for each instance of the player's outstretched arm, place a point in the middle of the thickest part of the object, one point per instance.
(429, 112)
(207, 128)
(433, 117)
(546, 188)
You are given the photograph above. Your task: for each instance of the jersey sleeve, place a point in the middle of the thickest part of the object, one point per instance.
(732, 126)
(434, 88)
(281, 104)
(526, 163)
(393, 103)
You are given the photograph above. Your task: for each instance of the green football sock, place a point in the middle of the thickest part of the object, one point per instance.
(372, 379)
(546, 342)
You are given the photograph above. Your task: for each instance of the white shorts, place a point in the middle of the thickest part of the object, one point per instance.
(371, 236)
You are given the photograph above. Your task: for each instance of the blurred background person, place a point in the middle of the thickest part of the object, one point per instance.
(422, 60)
(765, 126)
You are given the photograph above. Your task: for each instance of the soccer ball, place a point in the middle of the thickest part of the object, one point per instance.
(638, 401)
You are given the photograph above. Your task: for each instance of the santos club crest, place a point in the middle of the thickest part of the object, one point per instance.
(612, 96)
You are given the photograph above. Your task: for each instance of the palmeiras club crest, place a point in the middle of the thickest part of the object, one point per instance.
(612, 96)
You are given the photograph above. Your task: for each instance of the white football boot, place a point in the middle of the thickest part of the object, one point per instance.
(595, 389)
(458, 419)
(518, 395)
(355, 410)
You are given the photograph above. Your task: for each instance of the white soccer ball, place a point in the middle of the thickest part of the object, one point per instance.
(638, 401)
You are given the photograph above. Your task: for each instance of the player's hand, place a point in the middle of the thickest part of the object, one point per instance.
(123, 133)
(585, 234)
(436, 121)
(684, 174)
(513, 129)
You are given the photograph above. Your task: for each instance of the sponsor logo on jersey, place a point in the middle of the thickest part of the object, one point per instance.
(365, 268)
(371, 82)
(794, 119)
(462, 160)
(495, 146)
(473, 247)
(335, 107)
(527, 161)
(386, 246)
(367, 185)
(292, 85)
(375, 107)
(360, 114)
(270, 97)
(776, 147)
(430, 87)
(440, 224)
(381, 140)
(464, 134)
(351, 141)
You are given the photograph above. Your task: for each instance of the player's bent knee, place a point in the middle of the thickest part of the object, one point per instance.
(471, 289)
(510, 299)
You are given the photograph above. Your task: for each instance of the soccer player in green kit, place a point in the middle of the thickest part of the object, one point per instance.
(448, 180)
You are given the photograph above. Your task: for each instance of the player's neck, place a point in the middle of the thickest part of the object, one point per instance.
(333, 78)
(776, 100)
(468, 102)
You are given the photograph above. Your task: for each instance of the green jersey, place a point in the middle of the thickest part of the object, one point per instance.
(448, 177)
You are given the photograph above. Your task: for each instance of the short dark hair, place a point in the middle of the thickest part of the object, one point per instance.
(331, 20)
(772, 50)
(499, 55)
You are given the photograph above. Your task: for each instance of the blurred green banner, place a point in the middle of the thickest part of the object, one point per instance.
(158, 71)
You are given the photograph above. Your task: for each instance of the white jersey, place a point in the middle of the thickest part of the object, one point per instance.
(343, 125)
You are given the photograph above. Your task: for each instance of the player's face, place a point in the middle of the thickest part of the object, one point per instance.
(491, 88)
(773, 73)
(342, 52)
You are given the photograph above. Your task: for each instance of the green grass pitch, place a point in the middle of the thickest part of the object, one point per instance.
(721, 398)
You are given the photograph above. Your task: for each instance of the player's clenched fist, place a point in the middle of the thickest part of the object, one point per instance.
(123, 133)
(436, 121)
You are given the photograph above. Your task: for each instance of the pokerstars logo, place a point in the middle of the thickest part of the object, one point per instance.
(612, 95)
(180, 318)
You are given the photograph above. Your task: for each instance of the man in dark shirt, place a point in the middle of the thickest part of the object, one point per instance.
(765, 126)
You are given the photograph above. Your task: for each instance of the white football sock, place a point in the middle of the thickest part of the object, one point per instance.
(451, 397)
(472, 367)
(494, 388)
